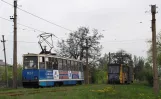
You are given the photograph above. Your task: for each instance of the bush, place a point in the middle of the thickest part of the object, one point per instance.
(10, 76)
(99, 76)
(149, 78)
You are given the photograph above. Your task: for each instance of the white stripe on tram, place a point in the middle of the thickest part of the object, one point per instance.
(59, 80)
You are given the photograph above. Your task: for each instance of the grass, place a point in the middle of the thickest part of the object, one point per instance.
(101, 91)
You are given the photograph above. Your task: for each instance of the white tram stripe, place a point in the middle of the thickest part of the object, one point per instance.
(59, 80)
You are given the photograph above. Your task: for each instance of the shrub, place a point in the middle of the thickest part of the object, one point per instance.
(99, 76)
(149, 78)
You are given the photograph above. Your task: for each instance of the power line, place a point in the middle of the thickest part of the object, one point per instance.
(22, 41)
(28, 27)
(49, 22)
(38, 17)
(121, 41)
(45, 20)
(66, 41)
(62, 39)
(23, 25)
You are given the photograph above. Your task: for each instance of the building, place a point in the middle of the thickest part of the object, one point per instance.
(3, 63)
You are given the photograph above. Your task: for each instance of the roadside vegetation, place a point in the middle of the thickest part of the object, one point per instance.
(93, 91)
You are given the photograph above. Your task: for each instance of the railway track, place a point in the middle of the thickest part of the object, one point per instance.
(29, 92)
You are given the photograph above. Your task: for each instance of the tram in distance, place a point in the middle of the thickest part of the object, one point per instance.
(42, 70)
(120, 71)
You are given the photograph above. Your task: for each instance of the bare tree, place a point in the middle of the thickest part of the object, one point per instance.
(75, 45)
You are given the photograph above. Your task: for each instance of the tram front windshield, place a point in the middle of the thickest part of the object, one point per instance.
(113, 69)
(30, 62)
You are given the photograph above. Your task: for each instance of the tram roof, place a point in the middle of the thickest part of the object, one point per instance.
(49, 55)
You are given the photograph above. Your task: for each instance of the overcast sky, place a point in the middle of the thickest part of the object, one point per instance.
(120, 20)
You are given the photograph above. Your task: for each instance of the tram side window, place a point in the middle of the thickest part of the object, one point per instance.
(76, 66)
(60, 64)
(65, 64)
(125, 69)
(80, 66)
(42, 63)
(49, 63)
(72, 65)
(68, 65)
(55, 63)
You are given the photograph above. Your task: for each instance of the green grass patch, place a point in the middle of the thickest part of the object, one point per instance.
(101, 91)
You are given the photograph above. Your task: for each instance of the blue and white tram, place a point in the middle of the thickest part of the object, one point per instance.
(43, 70)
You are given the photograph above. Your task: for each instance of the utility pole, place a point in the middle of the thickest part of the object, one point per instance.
(109, 59)
(4, 49)
(155, 69)
(87, 74)
(15, 46)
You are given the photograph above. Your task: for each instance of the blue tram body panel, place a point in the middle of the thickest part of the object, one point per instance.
(49, 77)
(45, 74)
(30, 74)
